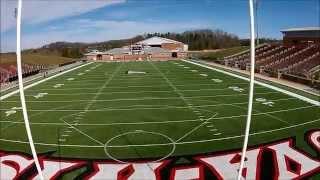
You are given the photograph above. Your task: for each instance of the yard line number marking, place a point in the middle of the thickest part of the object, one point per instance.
(58, 85)
(12, 111)
(40, 95)
(265, 102)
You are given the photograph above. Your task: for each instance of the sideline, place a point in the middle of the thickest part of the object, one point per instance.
(311, 101)
(282, 82)
(41, 81)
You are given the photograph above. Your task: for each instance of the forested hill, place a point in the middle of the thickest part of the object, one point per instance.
(196, 39)
(202, 39)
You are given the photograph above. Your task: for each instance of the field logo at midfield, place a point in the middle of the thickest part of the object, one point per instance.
(277, 160)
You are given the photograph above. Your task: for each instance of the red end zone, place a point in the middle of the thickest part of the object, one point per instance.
(277, 160)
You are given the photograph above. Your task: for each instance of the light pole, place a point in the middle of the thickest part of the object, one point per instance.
(256, 5)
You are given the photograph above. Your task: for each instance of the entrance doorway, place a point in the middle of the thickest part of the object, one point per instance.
(174, 54)
(99, 57)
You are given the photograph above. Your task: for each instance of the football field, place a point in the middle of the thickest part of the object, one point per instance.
(134, 110)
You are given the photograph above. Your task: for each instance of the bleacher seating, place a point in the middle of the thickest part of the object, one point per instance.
(275, 58)
(305, 67)
(8, 72)
(285, 63)
(231, 60)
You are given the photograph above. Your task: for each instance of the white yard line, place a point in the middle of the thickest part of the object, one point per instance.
(76, 122)
(91, 81)
(311, 101)
(270, 115)
(181, 96)
(200, 141)
(107, 124)
(136, 86)
(276, 118)
(36, 114)
(152, 98)
(93, 100)
(178, 143)
(81, 132)
(138, 92)
(151, 107)
(252, 134)
(195, 128)
(165, 122)
(41, 81)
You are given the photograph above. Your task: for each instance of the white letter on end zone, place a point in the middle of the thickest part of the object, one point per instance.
(52, 169)
(187, 173)
(285, 154)
(138, 171)
(227, 166)
(12, 166)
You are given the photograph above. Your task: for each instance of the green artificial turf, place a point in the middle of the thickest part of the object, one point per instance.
(169, 111)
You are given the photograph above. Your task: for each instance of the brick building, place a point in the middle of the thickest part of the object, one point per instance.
(155, 48)
(301, 36)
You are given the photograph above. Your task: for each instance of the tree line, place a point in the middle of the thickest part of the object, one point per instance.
(196, 39)
(202, 39)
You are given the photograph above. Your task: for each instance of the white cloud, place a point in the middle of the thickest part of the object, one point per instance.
(85, 30)
(37, 11)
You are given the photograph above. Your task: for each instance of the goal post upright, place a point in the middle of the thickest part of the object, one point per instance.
(21, 90)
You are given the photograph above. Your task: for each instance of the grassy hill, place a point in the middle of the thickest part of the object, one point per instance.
(34, 58)
(218, 54)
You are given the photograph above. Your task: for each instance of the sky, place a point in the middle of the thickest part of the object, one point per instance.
(46, 21)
